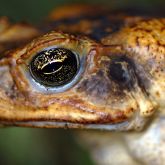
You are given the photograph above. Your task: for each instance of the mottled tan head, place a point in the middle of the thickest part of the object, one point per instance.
(65, 80)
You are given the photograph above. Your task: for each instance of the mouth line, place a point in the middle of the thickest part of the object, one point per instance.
(124, 126)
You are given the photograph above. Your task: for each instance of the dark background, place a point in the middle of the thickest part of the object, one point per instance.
(52, 146)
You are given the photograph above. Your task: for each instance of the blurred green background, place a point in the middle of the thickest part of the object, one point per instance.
(35, 10)
(51, 146)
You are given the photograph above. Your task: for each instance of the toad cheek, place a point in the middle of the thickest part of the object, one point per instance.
(116, 91)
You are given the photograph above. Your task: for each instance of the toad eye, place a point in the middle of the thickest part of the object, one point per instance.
(54, 67)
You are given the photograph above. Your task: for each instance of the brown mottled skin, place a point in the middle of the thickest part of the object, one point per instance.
(96, 100)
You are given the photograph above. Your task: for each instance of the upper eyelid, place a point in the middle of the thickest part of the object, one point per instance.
(68, 42)
(37, 47)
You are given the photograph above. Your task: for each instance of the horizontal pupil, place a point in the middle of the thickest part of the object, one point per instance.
(51, 68)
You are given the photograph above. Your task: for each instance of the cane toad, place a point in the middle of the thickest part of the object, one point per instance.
(88, 68)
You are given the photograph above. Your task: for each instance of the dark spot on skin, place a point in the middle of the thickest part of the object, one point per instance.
(111, 84)
(122, 71)
(117, 73)
(100, 31)
(97, 32)
(100, 89)
(125, 72)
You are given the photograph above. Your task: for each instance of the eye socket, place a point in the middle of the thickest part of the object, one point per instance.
(54, 67)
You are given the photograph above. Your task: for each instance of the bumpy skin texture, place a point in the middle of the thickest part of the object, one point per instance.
(121, 86)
